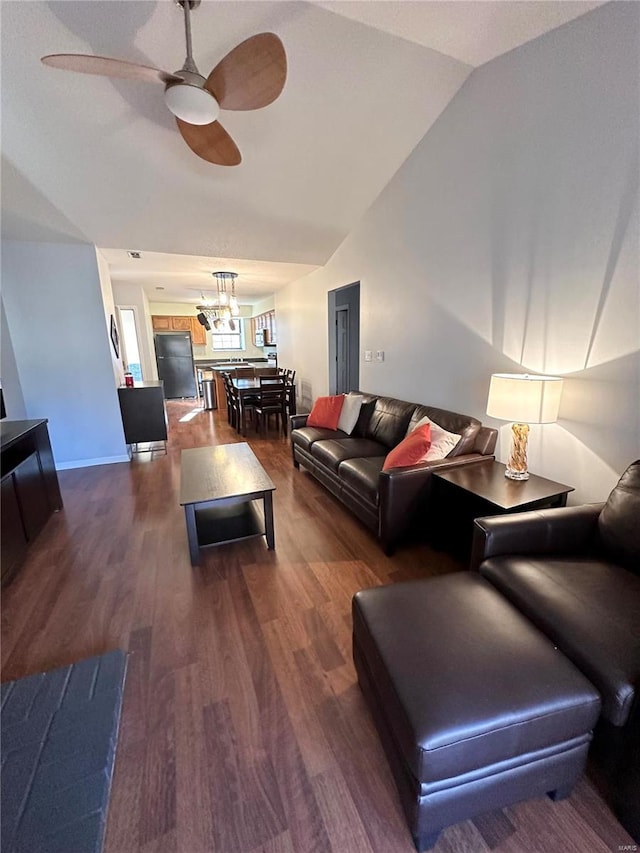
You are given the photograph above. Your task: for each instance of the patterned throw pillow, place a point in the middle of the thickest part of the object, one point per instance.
(442, 441)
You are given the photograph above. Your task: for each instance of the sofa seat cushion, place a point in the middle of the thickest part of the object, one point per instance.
(305, 436)
(590, 609)
(363, 475)
(331, 453)
(463, 679)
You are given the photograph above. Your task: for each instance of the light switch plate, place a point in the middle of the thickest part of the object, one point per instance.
(368, 355)
(379, 355)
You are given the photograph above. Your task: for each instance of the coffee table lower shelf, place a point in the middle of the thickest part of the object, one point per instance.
(217, 525)
(227, 495)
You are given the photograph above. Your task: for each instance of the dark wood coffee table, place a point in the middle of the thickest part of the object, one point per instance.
(481, 488)
(219, 490)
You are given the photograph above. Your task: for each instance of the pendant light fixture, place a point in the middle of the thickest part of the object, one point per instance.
(220, 313)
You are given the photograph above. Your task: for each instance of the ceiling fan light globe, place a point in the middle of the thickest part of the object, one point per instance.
(191, 103)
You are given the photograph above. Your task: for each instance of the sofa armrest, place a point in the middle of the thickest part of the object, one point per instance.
(485, 442)
(563, 530)
(402, 491)
(298, 421)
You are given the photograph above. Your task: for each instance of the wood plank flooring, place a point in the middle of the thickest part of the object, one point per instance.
(243, 727)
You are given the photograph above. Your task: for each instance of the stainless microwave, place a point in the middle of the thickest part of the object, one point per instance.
(263, 337)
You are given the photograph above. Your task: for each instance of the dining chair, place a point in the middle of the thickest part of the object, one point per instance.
(231, 396)
(291, 392)
(272, 401)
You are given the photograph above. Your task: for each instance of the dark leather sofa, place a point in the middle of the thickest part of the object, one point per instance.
(350, 466)
(575, 574)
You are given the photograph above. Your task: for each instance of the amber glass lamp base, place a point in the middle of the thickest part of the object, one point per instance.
(517, 462)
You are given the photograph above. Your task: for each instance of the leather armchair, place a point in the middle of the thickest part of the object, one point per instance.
(566, 530)
(574, 572)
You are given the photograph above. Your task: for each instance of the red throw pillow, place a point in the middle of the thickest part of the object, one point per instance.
(326, 412)
(411, 449)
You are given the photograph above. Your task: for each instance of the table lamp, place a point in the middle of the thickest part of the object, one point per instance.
(524, 400)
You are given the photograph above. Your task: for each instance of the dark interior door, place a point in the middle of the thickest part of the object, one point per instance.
(342, 350)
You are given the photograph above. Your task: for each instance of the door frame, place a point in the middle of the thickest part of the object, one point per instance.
(347, 296)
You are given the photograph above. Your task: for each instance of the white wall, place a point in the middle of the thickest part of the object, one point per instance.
(266, 304)
(508, 241)
(9, 378)
(109, 305)
(56, 318)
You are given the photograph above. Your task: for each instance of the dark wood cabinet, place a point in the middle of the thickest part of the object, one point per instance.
(32, 495)
(30, 489)
(14, 539)
(143, 412)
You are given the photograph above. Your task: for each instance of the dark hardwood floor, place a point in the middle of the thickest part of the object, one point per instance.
(243, 727)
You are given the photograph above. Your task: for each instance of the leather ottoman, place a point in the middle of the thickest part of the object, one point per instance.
(476, 709)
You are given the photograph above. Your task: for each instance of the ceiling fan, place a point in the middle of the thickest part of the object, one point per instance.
(249, 77)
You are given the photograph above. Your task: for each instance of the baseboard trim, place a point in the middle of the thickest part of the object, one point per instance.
(87, 463)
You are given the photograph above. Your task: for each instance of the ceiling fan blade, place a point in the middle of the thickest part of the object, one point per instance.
(250, 76)
(106, 67)
(211, 142)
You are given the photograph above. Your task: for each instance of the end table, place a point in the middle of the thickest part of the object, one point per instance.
(481, 488)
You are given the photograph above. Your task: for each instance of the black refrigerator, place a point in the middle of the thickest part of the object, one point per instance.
(174, 357)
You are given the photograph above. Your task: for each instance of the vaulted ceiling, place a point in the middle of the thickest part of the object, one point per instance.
(95, 159)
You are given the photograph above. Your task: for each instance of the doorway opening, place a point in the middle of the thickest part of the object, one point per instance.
(130, 344)
(344, 339)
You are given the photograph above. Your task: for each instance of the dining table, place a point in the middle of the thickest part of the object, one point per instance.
(250, 387)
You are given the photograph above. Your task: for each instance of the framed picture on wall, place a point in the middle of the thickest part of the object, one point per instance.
(114, 337)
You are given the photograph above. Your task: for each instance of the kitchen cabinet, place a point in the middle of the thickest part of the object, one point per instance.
(181, 324)
(266, 322)
(169, 323)
(30, 490)
(198, 332)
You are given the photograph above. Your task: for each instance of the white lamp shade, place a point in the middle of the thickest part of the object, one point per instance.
(524, 399)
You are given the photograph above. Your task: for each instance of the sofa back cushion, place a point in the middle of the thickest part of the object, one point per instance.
(389, 421)
(619, 521)
(463, 425)
(366, 410)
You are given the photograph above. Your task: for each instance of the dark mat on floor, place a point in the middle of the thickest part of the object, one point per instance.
(59, 734)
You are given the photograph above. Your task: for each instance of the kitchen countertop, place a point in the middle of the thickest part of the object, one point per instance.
(220, 362)
(230, 365)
